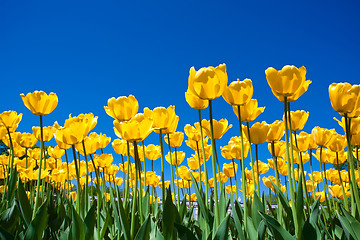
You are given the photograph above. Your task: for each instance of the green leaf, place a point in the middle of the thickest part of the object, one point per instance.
(261, 231)
(170, 216)
(5, 235)
(38, 224)
(106, 224)
(353, 223)
(9, 218)
(77, 229)
(314, 215)
(24, 203)
(145, 205)
(144, 231)
(278, 231)
(89, 222)
(223, 230)
(251, 230)
(237, 215)
(310, 231)
(123, 224)
(299, 204)
(283, 200)
(182, 209)
(184, 232)
(12, 185)
(257, 206)
(200, 200)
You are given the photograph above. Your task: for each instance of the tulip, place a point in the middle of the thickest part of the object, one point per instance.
(48, 133)
(220, 127)
(193, 163)
(195, 102)
(303, 141)
(175, 161)
(298, 119)
(191, 198)
(322, 136)
(26, 140)
(263, 167)
(10, 120)
(276, 131)
(152, 152)
(230, 169)
(230, 189)
(278, 148)
(39, 103)
(163, 118)
(225, 152)
(192, 133)
(258, 132)
(345, 99)
(55, 152)
(176, 139)
(90, 143)
(290, 82)
(120, 147)
(319, 194)
(249, 112)
(122, 108)
(208, 82)
(238, 92)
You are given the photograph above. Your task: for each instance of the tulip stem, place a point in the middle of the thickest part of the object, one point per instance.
(138, 168)
(217, 217)
(251, 157)
(205, 169)
(39, 174)
(257, 168)
(78, 187)
(290, 168)
(312, 175)
(342, 184)
(177, 189)
(162, 169)
(243, 176)
(86, 180)
(127, 174)
(134, 199)
(236, 191)
(323, 180)
(171, 165)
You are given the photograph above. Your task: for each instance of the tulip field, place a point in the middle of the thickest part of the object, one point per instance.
(75, 190)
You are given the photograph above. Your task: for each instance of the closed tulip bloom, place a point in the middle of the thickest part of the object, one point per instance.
(88, 120)
(191, 198)
(267, 182)
(55, 152)
(184, 173)
(181, 183)
(112, 169)
(286, 82)
(230, 189)
(39, 103)
(258, 132)
(339, 159)
(230, 169)
(319, 194)
(163, 118)
(197, 176)
(176, 139)
(325, 155)
(309, 186)
(26, 140)
(3, 131)
(91, 144)
(103, 139)
(336, 191)
(104, 160)
(283, 169)
(315, 176)
(345, 99)
(10, 120)
(239, 92)
(279, 149)
(124, 167)
(192, 133)
(303, 141)
(208, 82)
(152, 152)
(222, 176)
(322, 136)
(137, 129)
(122, 108)
(193, 163)
(354, 126)
(235, 150)
(195, 102)
(180, 156)
(72, 134)
(18, 151)
(225, 152)
(48, 133)
(276, 132)
(220, 127)
(250, 111)
(338, 143)
(263, 167)
(120, 147)
(298, 119)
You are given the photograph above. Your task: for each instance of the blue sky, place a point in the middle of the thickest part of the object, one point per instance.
(90, 51)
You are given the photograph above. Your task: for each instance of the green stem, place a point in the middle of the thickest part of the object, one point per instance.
(178, 195)
(138, 168)
(86, 180)
(257, 168)
(39, 174)
(341, 182)
(217, 216)
(171, 166)
(243, 175)
(78, 187)
(251, 157)
(134, 200)
(233, 162)
(162, 168)
(205, 169)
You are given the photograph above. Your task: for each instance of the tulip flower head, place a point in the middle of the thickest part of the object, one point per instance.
(194, 101)
(345, 99)
(39, 103)
(10, 120)
(238, 92)
(122, 108)
(249, 112)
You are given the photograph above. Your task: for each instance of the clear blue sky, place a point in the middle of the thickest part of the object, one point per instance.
(90, 51)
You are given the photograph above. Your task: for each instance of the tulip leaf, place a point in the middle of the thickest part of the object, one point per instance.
(352, 224)
(182, 209)
(9, 218)
(184, 232)
(89, 222)
(237, 219)
(277, 230)
(12, 185)
(38, 224)
(310, 231)
(170, 216)
(283, 200)
(299, 203)
(257, 206)
(201, 203)
(106, 223)
(261, 231)
(25, 206)
(77, 230)
(145, 204)
(5, 235)
(223, 230)
(251, 230)
(223, 204)
(144, 231)
(314, 215)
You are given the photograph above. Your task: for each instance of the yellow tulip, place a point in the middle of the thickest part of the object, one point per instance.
(176, 158)
(345, 99)
(303, 141)
(18, 151)
(48, 133)
(193, 163)
(119, 181)
(26, 140)
(88, 120)
(55, 152)
(325, 155)
(194, 101)
(163, 118)
(338, 143)
(184, 173)
(235, 149)
(220, 127)
(258, 132)
(315, 176)
(191, 198)
(238, 92)
(336, 191)
(298, 119)
(193, 133)
(39, 103)
(70, 135)
(152, 152)
(103, 139)
(322, 136)
(279, 149)
(230, 189)
(103, 161)
(10, 120)
(249, 112)
(3, 131)
(354, 126)
(122, 108)
(91, 144)
(276, 132)
(222, 176)
(176, 139)
(166, 184)
(263, 167)
(287, 82)
(225, 152)
(208, 82)
(267, 182)
(319, 194)
(230, 169)
(120, 147)
(134, 130)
